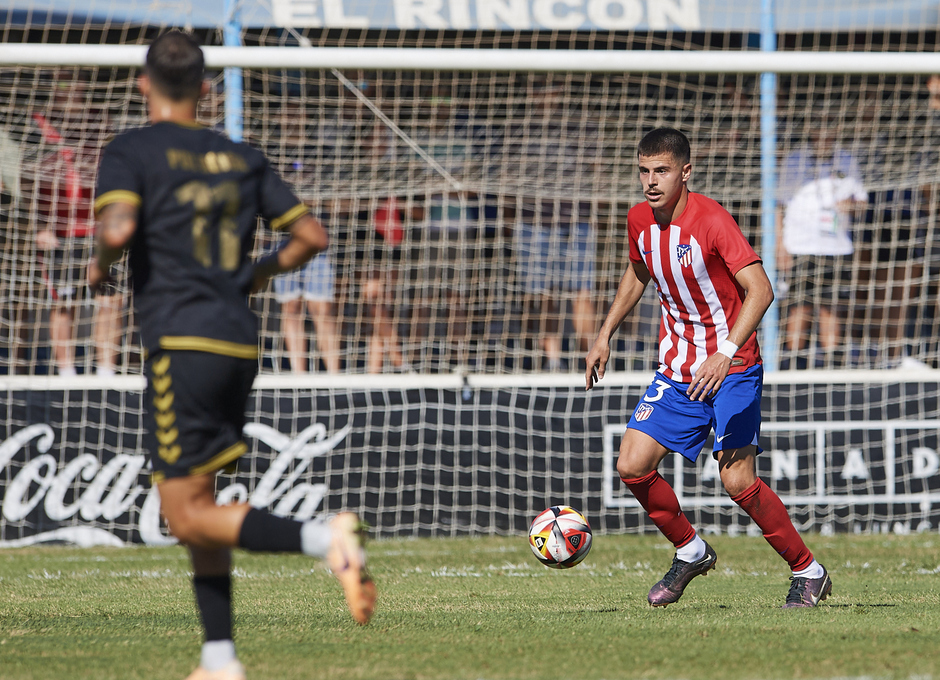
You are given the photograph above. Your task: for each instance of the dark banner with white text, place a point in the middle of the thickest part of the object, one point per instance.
(452, 462)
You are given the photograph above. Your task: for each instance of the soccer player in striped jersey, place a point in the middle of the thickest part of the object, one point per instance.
(185, 200)
(713, 292)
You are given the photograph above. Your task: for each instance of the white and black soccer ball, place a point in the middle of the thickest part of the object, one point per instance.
(560, 537)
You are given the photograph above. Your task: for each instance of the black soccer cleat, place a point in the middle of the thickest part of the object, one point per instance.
(674, 583)
(808, 592)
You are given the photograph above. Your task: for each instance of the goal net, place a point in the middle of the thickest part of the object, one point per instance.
(444, 456)
(478, 219)
(478, 216)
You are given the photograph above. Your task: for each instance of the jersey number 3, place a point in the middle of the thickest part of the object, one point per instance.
(206, 200)
(661, 387)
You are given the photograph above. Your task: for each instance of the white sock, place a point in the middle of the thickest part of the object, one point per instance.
(692, 551)
(814, 570)
(68, 371)
(217, 654)
(105, 372)
(315, 538)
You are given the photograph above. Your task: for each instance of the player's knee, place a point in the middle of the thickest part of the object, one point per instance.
(630, 466)
(735, 486)
(627, 471)
(737, 481)
(184, 524)
(178, 525)
(737, 469)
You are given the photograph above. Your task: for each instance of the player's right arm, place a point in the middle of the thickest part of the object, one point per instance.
(632, 284)
(118, 200)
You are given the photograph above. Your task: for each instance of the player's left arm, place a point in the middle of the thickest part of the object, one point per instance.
(758, 294)
(308, 237)
(115, 226)
(282, 209)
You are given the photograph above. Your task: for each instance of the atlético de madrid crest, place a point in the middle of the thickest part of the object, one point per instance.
(643, 412)
(684, 254)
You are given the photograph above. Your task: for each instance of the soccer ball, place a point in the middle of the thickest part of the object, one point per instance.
(560, 537)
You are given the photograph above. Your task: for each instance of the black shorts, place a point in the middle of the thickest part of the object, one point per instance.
(64, 268)
(816, 279)
(65, 271)
(195, 411)
(897, 245)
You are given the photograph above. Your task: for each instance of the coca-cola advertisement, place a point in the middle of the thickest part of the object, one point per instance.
(72, 470)
(461, 460)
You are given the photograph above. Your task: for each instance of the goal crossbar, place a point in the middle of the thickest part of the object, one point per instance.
(502, 60)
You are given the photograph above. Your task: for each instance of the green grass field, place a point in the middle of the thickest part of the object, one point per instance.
(481, 608)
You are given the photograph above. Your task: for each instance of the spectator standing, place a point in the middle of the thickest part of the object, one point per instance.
(449, 215)
(895, 225)
(313, 286)
(357, 159)
(11, 159)
(914, 278)
(548, 164)
(820, 190)
(72, 132)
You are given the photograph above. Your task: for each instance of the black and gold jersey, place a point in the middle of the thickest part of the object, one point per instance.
(199, 196)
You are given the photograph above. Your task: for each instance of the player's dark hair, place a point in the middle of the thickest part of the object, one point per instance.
(666, 140)
(176, 66)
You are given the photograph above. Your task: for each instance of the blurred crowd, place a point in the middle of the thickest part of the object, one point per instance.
(481, 227)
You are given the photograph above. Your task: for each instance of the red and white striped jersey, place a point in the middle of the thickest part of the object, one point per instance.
(693, 262)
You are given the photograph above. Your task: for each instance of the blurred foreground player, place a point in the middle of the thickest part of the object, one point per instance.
(713, 291)
(185, 201)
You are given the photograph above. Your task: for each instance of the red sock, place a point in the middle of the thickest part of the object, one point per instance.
(768, 512)
(661, 504)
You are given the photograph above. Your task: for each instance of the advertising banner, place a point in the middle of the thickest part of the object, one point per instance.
(447, 462)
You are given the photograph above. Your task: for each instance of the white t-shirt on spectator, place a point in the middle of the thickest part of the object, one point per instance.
(811, 189)
(813, 224)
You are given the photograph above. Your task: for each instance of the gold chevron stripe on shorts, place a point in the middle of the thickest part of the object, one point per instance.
(210, 345)
(220, 460)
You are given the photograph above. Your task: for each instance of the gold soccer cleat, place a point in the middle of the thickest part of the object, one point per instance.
(347, 560)
(233, 670)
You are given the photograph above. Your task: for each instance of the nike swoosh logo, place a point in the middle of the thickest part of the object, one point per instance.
(722, 437)
(647, 252)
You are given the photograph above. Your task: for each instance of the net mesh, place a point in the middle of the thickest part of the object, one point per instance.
(478, 219)
(432, 455)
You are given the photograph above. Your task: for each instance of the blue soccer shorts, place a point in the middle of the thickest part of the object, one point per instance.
(668, 415)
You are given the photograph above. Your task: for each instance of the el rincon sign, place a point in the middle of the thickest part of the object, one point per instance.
(611, 15)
